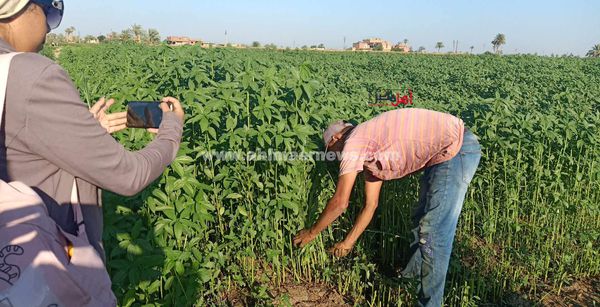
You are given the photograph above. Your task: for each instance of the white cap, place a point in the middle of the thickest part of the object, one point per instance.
(333, 129)
(9, 8)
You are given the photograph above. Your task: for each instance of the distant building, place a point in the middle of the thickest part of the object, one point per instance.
(361, 46)
(181, 41)
(401, 47)
(234, 45)
(372, 44)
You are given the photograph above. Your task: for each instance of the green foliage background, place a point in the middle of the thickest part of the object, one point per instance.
(530, 223)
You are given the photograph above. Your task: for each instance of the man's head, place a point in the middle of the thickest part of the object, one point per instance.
(25, 23)
(335, 134)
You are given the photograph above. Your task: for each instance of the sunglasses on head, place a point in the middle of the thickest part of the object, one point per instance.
(53, 9)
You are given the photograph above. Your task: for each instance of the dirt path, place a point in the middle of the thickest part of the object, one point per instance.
(306, 295)
(584, 292)
(297, 295)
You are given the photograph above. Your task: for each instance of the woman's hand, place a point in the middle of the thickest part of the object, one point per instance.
(111, 122)
(170, 104)
(341, 249)
(304, 237)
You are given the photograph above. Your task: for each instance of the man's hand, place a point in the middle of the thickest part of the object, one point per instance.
(341, 249)
(111, 122)
(304, 237)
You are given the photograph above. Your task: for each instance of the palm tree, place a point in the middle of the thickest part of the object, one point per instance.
(594, 52)
(137, 32)
(69, 31)
(498, 41)
(439, 45)
(472, 47)
(405, 41)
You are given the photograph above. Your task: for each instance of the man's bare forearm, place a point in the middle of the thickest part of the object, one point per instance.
(362, 221)
(331, 212)
(372, 188)
(337, 204)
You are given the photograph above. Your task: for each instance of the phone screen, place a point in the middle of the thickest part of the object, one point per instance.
(144, 114)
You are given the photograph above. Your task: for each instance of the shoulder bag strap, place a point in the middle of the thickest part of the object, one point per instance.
(5, 60)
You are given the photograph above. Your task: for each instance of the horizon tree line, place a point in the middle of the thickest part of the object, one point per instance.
(136, 33)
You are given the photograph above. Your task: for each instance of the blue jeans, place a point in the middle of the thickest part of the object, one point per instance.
(443, 189)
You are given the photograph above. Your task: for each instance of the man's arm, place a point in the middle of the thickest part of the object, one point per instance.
(335, 207)
(372, 189)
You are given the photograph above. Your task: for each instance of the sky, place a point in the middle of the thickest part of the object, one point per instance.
(543, 27)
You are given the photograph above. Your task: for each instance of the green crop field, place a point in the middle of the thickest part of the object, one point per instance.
(214, 232)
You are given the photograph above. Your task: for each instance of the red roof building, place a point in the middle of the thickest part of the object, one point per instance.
(181, 41)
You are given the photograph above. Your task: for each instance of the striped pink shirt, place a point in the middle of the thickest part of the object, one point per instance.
(400, 142)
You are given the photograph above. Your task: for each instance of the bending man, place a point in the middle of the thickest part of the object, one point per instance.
(391, 146)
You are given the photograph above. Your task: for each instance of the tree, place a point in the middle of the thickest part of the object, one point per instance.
(101, 38)
(321, 46)
(439, 45)
(256, 44)
(126, 35)
(137, 31)
(472, 47)
(405, 41)
(421, 49)
(113, 36)
(378, 47)
(498, 41)
(270, 46)
(69, 32)
(153, 36)
(304, 47)
(594, 52)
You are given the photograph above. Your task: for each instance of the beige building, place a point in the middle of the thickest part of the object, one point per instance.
(181, 41)
(372, 44)
(401, 47)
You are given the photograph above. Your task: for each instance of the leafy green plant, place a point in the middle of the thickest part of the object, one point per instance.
(210, 226)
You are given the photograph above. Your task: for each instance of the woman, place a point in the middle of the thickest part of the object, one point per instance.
(50, 137)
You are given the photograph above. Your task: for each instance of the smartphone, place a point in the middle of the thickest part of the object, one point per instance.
(144, 114)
